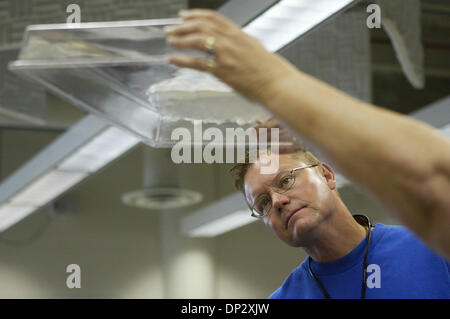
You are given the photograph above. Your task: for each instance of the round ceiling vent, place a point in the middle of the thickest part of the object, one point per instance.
(161, 198)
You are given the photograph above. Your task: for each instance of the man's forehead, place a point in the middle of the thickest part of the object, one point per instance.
(254, 180)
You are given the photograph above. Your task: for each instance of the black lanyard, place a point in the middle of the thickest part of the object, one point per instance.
(361, 219)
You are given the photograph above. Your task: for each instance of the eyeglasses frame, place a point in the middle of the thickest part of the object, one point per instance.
(271, 204)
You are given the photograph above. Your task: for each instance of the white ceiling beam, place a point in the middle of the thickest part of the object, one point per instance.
(222, 216)
(86, 147)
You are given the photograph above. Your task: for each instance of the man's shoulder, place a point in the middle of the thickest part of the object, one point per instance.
(399, 240)
(291, 283)
(402, 256)
(396, 234)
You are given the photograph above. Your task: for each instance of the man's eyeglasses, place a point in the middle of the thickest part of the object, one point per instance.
(283, 182)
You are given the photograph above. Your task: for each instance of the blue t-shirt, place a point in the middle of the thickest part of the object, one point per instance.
(399, 266)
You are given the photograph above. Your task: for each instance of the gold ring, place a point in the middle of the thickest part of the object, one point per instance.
(209, 45)
(210, 66)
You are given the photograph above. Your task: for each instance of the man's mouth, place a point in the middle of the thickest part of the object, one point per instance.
(292, 215)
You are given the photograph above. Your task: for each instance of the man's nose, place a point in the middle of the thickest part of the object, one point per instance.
(279, 200)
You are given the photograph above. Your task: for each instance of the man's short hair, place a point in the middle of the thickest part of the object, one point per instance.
(239, 170)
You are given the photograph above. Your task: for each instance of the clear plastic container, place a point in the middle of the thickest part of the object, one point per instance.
(120, 72)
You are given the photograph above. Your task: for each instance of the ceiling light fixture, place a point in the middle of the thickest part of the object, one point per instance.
(88, 146)
(287, 20)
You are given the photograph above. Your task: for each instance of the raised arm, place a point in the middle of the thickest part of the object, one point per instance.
(403, 163)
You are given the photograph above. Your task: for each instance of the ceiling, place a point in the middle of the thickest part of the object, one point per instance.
(386, 70)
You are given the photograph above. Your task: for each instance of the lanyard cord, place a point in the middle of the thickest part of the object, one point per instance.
(363, 284)
(324, 291)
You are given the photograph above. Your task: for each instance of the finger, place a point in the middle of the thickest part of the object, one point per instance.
(185, 61)
(257, 124)
(200, 26)
(207, 14)
(192, 41)
(272, 122)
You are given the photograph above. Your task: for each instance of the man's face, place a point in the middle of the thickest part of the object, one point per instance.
(297, 213)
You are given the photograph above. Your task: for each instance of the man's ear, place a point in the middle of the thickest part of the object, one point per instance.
(328, 173)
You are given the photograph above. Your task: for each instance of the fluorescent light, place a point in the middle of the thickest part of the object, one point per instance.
(10, 214)
(47, 187)
(222, 225)
(107, 146)
(86, 147)
(228, 213)
(291, 19)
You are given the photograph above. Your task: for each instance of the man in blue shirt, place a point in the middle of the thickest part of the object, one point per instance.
(401, 162)
(348, 258)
